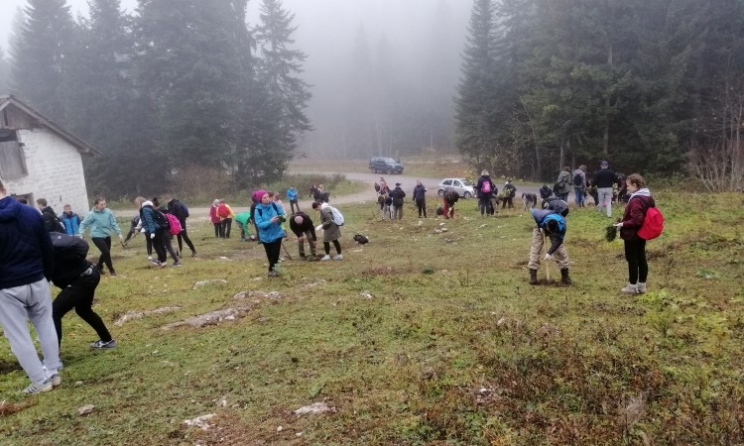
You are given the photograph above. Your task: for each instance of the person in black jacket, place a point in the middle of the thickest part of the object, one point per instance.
(52, 223)
(545, 193)
(419, 197)
(181, 212)
(78, 279)
(302, 226)
(509, 192)
(484, 188)
(397, 195)
(604, 180)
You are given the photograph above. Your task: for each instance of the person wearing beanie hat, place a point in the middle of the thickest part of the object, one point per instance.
(604, 179)
(397, 195)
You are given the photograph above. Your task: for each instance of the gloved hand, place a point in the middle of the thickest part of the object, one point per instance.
(548, 257)
(152, 236)
(618, 225)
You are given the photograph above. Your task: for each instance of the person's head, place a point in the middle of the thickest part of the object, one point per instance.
(221, 201)
(484, 173)
(552, 226)
(138, 201)
(582, 168)
(41, 203)
(3, 193)
(635, 182)
(397, 184)
(316, 206)
(567, 168)
(265, 198)
(508, 181)
(298, 219)
(100, 203)
(418, 183)
(216, 202)
(67, 209)
(277, 197)
(155, 202)
(604, 165)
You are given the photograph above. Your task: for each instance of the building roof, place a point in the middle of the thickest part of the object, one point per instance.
(79, 144)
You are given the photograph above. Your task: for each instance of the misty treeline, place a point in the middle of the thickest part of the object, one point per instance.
(655, 86)
(182, 87)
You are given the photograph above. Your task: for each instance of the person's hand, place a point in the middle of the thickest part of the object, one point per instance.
(618, 225)
(548, 257)
(274, 219)
(319, 228)
(152, 236)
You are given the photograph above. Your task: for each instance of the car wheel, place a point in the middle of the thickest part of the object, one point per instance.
(440, 193)
(467, 195)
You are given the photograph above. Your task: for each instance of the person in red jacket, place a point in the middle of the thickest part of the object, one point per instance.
(635, 247)
(215, 219)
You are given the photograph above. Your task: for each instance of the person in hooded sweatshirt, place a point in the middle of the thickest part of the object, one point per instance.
(26, 266)
(419, 197)
(484, 188)
(550, 225)
(154, 231)
(215, 219)
(635, 247)
(102, 223)
(269, 218)
(51, 221)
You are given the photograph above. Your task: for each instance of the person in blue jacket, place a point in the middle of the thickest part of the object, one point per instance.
(71, 220)
(552, 225)
(269, 217)
(293, 197)
(153, 224)
(102, 224)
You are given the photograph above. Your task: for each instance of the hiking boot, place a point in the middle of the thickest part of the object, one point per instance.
(56, 380)
(564, 277)
(630, 289)
(193, 254)
(338, 257)
(273, 273)
(533, 277)
(104, 345)
(641, 287)
(33, 389)
(303, 257)
(178, 263)
(325, 258)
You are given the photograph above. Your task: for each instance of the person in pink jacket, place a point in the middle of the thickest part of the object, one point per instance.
(214, 218)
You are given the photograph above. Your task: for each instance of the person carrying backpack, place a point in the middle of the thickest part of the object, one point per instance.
(102, 223)
(550, 225)
(171, 227)
(397, 195)
(51, 222)
(226, 214)
(269, 218)
(154, 227)
(78, 280)
(635, 246)
(181, 212)
(485, 188)
(331, 231)
(579, 184)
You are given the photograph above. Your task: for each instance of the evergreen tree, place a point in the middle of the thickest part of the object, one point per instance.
(41, 56)
(4, 73)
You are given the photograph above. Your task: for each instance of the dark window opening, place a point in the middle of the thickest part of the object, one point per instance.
(12, 160)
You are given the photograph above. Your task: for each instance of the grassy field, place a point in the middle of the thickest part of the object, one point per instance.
(419, 338)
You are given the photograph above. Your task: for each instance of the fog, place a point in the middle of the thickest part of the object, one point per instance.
(400, 59)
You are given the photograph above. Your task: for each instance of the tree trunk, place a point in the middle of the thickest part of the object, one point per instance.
(606, 139)
(562, 155)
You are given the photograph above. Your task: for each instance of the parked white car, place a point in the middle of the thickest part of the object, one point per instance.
(462, 186)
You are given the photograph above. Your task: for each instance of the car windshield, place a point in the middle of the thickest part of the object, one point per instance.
(389, 160)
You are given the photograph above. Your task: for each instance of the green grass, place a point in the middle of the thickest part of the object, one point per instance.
(455, 348)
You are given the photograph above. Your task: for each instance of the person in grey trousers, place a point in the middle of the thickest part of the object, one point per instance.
(26, 266)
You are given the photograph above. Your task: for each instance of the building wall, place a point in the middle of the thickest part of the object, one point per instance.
(55, 171)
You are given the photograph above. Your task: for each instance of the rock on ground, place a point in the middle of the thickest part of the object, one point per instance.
(314, 408)
(211, 318)
(202, 422)
(132, 315)
(202, 283)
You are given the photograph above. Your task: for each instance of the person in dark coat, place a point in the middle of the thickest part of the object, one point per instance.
(484, 189)
(303, 227)
(450, 198)
(419, 197)
(635, 247)
(398, 196)
(604, 180)
(51, 222)
(181, 212)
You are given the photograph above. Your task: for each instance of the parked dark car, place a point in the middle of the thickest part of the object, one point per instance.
(381, 164)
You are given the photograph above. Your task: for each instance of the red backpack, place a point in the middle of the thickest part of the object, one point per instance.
(222, 211)
(175, 225)
(653, 224)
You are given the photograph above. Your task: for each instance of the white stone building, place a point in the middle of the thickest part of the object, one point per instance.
(39, 159)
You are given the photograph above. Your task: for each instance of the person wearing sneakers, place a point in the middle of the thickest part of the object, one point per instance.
(635, 247)
(604, 180)
(269, 218)
(550, 225)
(26, 265)
(303, 227)
(331, 231)
(102, 223)
(78, 279)
(154, 231)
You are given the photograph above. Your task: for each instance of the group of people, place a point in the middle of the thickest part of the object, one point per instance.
(30, 257)
(551, 225)
(391, 201)
(488, 193)
(605, 187)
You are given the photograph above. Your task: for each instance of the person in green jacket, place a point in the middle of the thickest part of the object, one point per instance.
(242, 219)
(102, 223)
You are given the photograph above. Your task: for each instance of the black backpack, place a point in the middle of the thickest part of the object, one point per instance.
(578, 180)
(160, 219)
(362, 240)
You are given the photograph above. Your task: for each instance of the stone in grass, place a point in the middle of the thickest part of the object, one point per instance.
(260, 294)
(315, 408)
(86, 410)
(202, 283)
(132, 315)
(211, 318)
(367, 295)
(202, 422)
